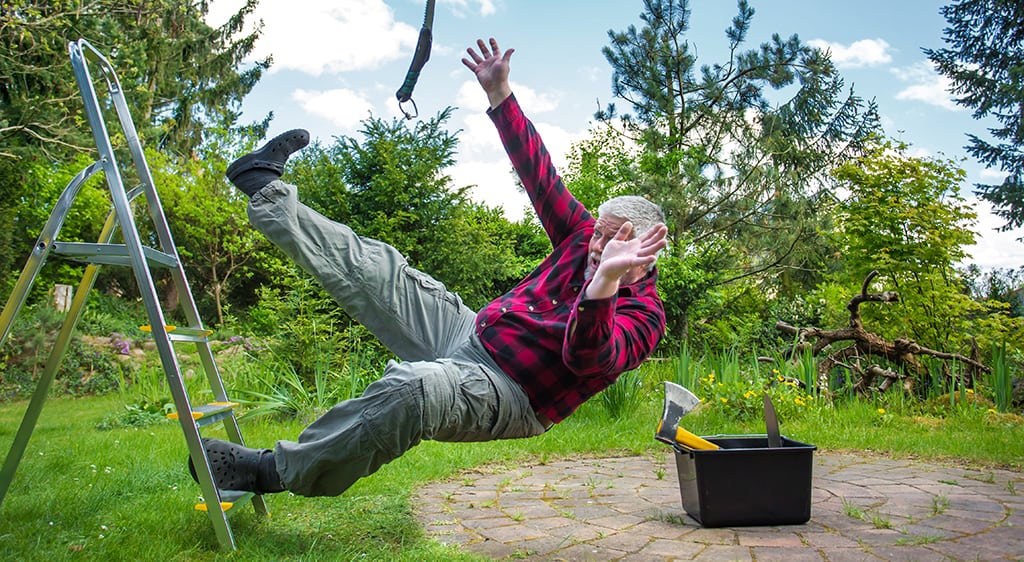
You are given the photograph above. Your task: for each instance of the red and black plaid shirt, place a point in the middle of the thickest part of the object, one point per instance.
(525, 330)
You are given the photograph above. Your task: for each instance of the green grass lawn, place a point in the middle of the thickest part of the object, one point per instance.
(125, 494)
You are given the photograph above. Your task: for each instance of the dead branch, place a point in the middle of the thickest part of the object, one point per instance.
(902, 353)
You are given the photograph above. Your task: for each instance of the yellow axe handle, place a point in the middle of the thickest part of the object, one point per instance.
(691, 441)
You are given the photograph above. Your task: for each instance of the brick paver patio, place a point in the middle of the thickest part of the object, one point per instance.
(864, 507)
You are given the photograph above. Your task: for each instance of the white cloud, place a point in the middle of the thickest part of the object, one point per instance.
(866, 52)
(919, 152)
(461, 7)
(472, 97)
(994, 248)
(591, 73)
(343, 108)
(993, 176)
(494, 185)
(478, 136)
(928, 86)
(482, 161)
(325, 36)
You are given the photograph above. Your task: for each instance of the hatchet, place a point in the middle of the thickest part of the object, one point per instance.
(678, 402)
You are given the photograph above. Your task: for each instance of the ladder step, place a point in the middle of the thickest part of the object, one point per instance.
(229, 500)
(110, 254)
(180, 333)
(208, 414)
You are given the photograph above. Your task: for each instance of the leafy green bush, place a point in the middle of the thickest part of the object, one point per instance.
(281, 392)
(725, 385)
(110, 313)
(84, 369)
(744, 398)
(267, 381)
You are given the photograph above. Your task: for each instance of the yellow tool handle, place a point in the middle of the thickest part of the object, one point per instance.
(685, 438)
(689, 440)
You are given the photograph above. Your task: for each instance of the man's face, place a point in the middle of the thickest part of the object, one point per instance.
(604, 231)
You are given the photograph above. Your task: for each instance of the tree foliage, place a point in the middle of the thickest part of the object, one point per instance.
(180, 78)
(1005, 285)
(391, 185)
(984, 60)
(33, 207)
(178, 73)
(217, 245)
(737, 152)
(718, 151)
(600, 167)
(905, 218)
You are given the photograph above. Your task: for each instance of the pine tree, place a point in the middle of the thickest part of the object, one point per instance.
(737, 151)
(984, 58)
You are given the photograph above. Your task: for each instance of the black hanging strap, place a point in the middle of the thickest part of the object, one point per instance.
(404, 93)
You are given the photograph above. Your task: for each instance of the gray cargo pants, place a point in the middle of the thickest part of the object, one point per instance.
(446, 387)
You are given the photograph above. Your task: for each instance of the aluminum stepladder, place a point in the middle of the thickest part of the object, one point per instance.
(141, 259)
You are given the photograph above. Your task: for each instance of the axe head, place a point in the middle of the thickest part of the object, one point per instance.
(678, 402)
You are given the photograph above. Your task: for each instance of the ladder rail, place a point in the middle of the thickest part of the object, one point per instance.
(78, 51)
(157, 215)
(129, 230)
(140, 258)
(134, 145)
(41, 250)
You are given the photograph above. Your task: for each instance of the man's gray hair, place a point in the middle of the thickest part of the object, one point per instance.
(643, 213)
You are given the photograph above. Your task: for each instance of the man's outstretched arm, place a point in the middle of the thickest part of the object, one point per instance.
(559, 212)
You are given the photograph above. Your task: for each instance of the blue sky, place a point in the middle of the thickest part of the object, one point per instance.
(338, 61)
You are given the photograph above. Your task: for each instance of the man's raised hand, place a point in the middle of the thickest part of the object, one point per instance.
(491, 68)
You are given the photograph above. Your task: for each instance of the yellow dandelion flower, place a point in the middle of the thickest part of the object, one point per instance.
(881, 410)
(724, 400)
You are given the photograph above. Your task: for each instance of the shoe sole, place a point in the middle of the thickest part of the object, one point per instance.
(271, 156)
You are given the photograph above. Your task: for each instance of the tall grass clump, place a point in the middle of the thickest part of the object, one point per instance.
(807, 372)
(623, 397)
(274, 387)
(684, 368)
(269, 381)
(999, 379)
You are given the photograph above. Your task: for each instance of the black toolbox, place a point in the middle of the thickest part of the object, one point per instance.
(746, 483)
